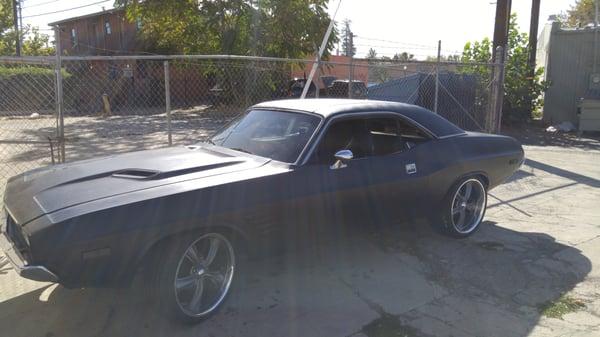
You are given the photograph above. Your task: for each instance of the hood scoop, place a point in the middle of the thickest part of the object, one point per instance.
(144, 174)
(136, 174)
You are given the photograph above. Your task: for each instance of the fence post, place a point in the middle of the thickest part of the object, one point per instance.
(494, 120)
(437, 77)
(317, 84)
(502, 66)
(350, 74)
(59, 96)
(168, 101)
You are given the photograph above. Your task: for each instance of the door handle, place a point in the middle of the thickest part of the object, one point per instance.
(411, 168)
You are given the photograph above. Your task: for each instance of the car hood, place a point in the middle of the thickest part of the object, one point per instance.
(41, 191)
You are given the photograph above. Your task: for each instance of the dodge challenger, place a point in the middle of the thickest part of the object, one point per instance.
(281, 171)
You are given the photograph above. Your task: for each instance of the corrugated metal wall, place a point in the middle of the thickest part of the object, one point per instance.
(570, 61)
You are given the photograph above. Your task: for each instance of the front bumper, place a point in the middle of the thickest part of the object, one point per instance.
(32, 272)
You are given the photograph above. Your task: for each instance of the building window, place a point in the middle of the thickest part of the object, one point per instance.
(107, 29)
(73, 37)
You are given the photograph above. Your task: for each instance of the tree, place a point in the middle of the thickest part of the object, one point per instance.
(348, 48)
(372, 54)
(445, 58)
(378, 72)
(403, 57)
(6, 28)
(6, 16)
(580, 14)
(522, 95)
(34, 44)
(279, 28)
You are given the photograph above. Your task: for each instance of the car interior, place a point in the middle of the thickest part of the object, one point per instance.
(368, 137)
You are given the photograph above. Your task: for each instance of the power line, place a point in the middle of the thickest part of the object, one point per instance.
(396, 42)
(393, 47)
(65, 10)
(40, 4)
(407, 45)
(404, 48)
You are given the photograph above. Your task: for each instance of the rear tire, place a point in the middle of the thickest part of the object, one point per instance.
(193, 276)
(463, 208)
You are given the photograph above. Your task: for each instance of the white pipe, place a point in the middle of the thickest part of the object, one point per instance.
(323, 45)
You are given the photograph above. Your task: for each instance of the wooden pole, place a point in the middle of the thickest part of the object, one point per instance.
(16, 24)
(533, 33)
(501, 26)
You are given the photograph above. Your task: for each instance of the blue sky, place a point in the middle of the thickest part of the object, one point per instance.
(389, 26)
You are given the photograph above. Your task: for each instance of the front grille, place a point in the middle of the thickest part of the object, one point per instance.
(15, 234)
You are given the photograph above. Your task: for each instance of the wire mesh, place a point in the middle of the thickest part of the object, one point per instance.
(118, 104)
(27, 117)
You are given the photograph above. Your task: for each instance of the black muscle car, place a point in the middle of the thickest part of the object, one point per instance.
(281, 170)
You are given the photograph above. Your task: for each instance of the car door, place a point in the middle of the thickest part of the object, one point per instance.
(398, 168)
(326, 195)
(383, 179)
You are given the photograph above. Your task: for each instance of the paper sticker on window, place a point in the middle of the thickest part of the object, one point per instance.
(411, 168)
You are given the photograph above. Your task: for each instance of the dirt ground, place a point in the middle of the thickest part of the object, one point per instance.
(93, 136)
(533, 269)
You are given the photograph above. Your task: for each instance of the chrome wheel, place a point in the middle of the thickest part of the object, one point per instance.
(204, 274)
(468, 206)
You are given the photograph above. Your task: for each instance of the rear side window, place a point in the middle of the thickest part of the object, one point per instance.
(410, 132)
(385, 136)
(391, 135)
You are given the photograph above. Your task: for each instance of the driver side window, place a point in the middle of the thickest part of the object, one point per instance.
(350, 134)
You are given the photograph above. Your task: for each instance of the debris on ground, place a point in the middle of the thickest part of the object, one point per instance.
(561, 306)
(562, 127)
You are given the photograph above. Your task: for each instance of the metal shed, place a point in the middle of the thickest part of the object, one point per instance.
(568, 58)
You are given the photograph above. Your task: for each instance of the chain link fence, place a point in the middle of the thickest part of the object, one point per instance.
(101, 105)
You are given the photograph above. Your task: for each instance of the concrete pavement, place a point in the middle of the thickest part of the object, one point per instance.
(540, 242)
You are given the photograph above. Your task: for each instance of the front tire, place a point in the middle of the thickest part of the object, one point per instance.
(464, 207)
(194, 276)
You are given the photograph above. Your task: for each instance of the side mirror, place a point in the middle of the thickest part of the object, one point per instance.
(341, 157)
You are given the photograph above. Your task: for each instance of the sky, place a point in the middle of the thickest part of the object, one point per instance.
(388, 26)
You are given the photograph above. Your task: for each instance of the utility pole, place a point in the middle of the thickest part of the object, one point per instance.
(16, 23)
(21, 22)
(501, 26)
(533, 33)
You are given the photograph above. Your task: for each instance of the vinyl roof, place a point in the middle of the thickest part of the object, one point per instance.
(326, 107)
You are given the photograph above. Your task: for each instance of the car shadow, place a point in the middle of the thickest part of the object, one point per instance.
(337, 285)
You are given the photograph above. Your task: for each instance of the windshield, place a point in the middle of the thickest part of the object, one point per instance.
(278, 135)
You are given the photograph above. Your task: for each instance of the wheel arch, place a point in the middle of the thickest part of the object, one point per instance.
(481, 175)
(237, 236)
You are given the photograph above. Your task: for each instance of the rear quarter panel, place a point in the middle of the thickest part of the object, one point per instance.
(493, 157)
